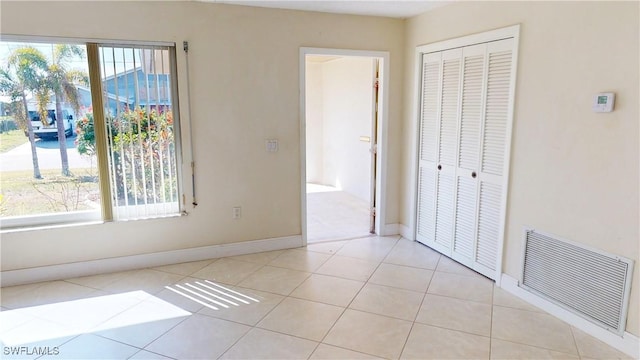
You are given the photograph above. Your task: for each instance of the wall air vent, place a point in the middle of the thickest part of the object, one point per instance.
(585, 281)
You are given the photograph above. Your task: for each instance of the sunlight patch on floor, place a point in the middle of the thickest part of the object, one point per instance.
(71, 318)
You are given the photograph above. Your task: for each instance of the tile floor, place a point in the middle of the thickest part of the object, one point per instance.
(335, 215)
(368, 298)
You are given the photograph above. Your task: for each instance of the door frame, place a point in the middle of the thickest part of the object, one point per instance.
(381, 158)
(483, 37)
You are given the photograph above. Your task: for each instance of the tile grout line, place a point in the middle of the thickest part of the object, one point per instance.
(413, 323)
(153, 352)
(254, 326)
(316, 242)
(575, 343)
(538, 347)
(136, 304)
(59, 346)
(68, 281)
(338, 318)
(284, 297)
(347, 307)
(493, 292)
(211, 261)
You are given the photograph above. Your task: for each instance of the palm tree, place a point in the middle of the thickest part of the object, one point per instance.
(62, 83)
(29, 66)
(13, 88)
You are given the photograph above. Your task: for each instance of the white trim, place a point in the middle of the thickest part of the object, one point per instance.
(506, 172)
(483, 37)
(391, 229)
(94, 267)
(381, 161)
(628, 343)
(415, 160)
(74, 40)
(303, 146)
(381, 166)
(16, 223)
(405, 232)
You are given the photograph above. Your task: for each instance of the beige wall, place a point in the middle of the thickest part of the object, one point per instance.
(574, 173)
(244, 89)
(314, 122)
(348, 113)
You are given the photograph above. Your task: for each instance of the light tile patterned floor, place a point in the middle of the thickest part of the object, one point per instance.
(369, 298)
(335, 215)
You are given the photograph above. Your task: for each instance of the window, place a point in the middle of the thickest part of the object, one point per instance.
(109, 146)
(140, 130)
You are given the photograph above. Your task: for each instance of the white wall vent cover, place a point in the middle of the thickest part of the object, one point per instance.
(585, 281)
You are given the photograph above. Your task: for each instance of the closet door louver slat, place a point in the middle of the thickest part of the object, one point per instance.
(444, 211)
(488, 225)
(426, 201)
(449, 112)
(471, 112)
(473, 83)
(465, 219)
(430, 75)
(429, 130)
(496, 115)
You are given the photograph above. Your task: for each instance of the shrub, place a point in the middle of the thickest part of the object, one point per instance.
(141, 150)
(7, 124)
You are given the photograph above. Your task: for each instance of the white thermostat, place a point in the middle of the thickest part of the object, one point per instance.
(603, 102)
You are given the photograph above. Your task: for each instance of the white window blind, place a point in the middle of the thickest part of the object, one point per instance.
(141, 124)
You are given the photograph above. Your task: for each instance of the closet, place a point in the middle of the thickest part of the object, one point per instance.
(465, 117)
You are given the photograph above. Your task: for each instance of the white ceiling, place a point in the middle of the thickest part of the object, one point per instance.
(388, 8)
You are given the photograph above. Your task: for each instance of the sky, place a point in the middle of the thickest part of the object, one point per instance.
(124, 58)
(47, 49)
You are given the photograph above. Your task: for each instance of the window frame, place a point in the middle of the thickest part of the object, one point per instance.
(22, 222)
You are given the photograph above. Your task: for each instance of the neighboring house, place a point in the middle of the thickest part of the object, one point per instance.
(112, 103)
(152, 87)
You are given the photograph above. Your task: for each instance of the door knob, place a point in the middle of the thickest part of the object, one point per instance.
(473, 174)
(439, 167)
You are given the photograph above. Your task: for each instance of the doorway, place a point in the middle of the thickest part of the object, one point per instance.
(342, 137)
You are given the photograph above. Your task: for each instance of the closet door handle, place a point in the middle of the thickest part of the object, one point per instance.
(439, 167)
(473, 175)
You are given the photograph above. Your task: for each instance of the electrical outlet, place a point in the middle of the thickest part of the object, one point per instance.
(237, 212)
(271, 145)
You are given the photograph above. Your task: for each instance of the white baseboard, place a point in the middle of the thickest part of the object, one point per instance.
(390, 229)
(628, 343)
(94, 267)
(406, 232)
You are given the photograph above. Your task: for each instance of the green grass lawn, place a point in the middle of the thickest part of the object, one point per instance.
(11, 139)
(21, 194)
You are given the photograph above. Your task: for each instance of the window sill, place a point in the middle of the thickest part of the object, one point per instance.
(63, 220)
(46, 221)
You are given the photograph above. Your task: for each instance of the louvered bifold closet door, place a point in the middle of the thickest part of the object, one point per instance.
(493, 155)
(469, 129)
(431, 79)
(447, 144)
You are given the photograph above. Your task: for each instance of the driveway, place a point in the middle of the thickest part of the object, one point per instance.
(19, 158)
